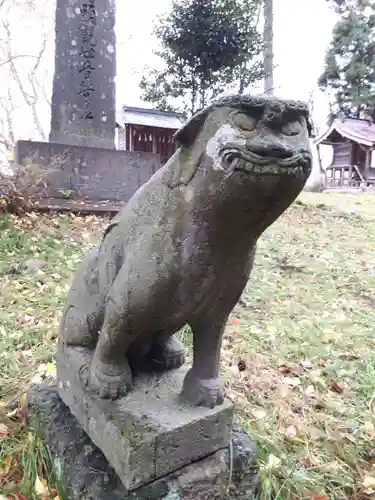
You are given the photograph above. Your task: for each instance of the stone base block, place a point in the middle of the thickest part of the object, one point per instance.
(228, 474)
(149, 433)
(86, 173)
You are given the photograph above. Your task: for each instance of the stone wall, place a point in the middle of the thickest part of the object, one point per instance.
(83, 173)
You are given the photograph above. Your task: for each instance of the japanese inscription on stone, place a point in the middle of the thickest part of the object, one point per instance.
(84, 94)
(88, 44)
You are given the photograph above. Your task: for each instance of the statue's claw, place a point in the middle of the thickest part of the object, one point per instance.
(167, 355)
(200, 392)
(109, 381)
(174, 362)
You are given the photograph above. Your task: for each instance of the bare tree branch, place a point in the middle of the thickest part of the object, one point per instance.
(7, 136)
(30, 98)
(16, 56)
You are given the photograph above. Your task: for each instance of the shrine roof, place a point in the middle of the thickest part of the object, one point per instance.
(356, 130)
(149, 117)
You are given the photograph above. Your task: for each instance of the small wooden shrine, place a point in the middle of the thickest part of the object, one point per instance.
(353, 141)
(141, 129)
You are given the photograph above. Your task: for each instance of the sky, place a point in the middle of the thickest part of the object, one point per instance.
(302, 32)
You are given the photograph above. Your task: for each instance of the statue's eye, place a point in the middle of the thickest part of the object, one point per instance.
(244, 122)
(292, 128)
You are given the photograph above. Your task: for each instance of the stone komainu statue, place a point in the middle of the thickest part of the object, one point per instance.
(182, 249)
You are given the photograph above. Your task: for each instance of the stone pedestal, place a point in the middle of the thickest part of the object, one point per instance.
(229, 473)
(82, 173)
(149, 433)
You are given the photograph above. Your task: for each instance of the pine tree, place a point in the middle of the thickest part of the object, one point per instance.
(349, 72)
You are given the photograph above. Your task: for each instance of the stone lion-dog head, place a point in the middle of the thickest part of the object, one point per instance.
(258, 141)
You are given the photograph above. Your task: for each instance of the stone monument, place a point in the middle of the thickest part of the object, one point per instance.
(180, 252)
(80, 155)
(83, 97)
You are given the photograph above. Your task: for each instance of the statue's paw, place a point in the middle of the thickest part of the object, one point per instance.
(167, 355)
(109, 381)
(200, 392)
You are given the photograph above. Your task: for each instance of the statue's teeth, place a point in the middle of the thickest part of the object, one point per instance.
(266, 169)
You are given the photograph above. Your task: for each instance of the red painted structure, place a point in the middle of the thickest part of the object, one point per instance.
(148, 130)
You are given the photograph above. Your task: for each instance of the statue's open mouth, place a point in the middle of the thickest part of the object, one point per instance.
(298, 165)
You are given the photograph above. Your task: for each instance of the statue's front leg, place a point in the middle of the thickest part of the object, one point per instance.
(203, 385)
(108, 381)
(109, 373)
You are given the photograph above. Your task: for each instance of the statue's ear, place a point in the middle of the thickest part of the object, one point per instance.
(190, 154)
(188, 133)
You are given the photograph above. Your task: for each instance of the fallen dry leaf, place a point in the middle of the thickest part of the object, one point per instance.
(40, 488)
(51, 370)
(18, 496)
(286, 370)
(259, 414)
(235, 321)
(316, 434)
(335, 387)
(310, 389)
(4, 431)
(6, 465)
(334, 435)
(369, 428)
(290, 431)
(22, 406)
(369, 485)
(306, 462)
(369, 481)
(273, 462)
(330, 467)
(306, 364)
(284, 391)
(293, 381)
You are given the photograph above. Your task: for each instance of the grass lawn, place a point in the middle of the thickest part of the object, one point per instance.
(298, 357)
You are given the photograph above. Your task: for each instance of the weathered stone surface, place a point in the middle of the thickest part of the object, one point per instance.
(148, 434)
(87, 475)
(87, 173)
(83, 97)
(181, 251)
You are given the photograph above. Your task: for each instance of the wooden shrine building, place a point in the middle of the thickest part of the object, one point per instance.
(141, 129)
(353, 141)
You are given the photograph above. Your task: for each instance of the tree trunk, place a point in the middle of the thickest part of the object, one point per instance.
(268, 46)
